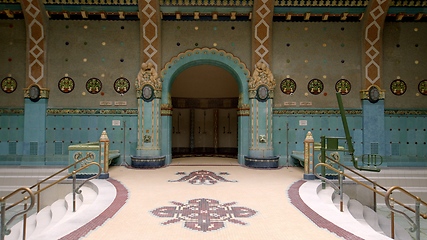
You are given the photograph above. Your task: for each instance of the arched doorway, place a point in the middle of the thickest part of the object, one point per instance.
(204, 119)
(213, 57)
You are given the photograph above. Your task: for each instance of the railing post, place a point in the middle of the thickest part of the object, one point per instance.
(309, 157)
(392, 219)
(417, 218)
(323, 159)
(104, 144)
(3, 220)
(74, 191)
(38, 198)
(375, 197)
(24, 224)
(341, 192)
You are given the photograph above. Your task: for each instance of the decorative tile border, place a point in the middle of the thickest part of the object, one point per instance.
(314, 112)
(12, 111)
(120, 200)
(75, 111)
(296, 200)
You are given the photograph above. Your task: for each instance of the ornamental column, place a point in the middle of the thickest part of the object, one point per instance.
(149, 87)
(35, 91)
(261, 89)
(261, 93)
(371, 94)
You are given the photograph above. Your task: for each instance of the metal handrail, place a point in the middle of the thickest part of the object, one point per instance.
(386, 195)
(415, 226)
(4, 224)
(88, 156)
(32, 193)
(358, 174)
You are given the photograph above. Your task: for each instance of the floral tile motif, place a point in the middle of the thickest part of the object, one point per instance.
(66, 85)
(8, 85)
(203, 214)
(202, 177)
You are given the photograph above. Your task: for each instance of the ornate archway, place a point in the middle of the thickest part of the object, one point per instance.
(210, 56)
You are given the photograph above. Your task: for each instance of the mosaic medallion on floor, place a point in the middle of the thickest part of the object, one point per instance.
(203, 214)
(202, 177)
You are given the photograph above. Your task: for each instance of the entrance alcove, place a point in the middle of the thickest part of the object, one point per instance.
(211, 57)
(204, 120)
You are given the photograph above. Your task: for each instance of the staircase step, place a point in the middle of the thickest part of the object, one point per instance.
(326, 194)
(43, 219)
(308, 193)
(59, 209)
(91, 204)
(371, 217)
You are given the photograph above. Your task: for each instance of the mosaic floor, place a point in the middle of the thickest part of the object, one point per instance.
(208, 202)
(211, 201)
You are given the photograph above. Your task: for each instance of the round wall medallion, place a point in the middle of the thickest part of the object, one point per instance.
(288, 86)
(66, 84)
(343, 86)
(147, 93)
(93, 85)
(121, 85)
(373, 94)
(422, 87)
(34, 93)
(315, 86)
(398, 87)
(8, 85)
(262, 93)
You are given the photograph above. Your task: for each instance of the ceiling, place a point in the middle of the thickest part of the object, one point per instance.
(220, 10)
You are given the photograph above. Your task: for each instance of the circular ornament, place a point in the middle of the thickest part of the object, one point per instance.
(315, 86)
(147, 93)
(288, 86)
(121, 85)
(34, 93)
(398, 87)
(422, 87)
(343, 86)
(93, 85)
(66, 85)
(373, 94)
(262, 93)
(8, 85)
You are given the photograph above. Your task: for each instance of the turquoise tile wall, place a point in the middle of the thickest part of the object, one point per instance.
(318, 124)
(11, 130)
(73, 129)
(408, 133)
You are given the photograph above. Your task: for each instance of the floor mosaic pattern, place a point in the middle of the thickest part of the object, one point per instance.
(203, 214)
(202, 177)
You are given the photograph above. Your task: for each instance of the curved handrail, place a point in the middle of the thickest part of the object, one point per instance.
(77, 190)
(416, 198)
(32, 193)
(332, 184)
(32, 202)
(88, 155)
(358, 174)
(386, 195)
(365, 185)
(67, 176)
